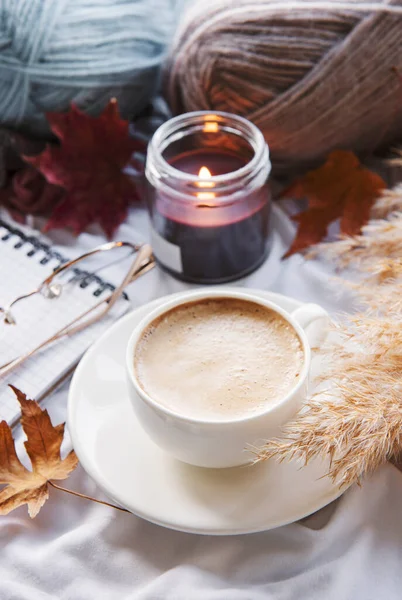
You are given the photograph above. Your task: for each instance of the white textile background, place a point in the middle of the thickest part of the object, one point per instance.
(78, 550)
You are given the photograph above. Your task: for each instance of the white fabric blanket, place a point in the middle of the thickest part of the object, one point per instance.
(78, 550)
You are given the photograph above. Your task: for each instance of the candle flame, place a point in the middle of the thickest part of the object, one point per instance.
(205, 173)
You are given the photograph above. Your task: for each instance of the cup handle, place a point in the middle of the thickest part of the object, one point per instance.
(308, 314)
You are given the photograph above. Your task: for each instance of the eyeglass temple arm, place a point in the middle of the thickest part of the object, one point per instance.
(101, 248)
(144, 252)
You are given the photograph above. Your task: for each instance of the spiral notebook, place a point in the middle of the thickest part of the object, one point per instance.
(25, 261)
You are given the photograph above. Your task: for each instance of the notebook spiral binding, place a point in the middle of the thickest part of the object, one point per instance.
(87, 278)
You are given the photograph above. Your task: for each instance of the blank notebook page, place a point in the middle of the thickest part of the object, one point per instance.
(24, 263)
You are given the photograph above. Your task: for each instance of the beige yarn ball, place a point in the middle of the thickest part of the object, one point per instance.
(312, 75)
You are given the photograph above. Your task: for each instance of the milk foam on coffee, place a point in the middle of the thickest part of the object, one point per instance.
(218, 359)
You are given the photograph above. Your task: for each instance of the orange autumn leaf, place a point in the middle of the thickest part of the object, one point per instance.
(342, 188)
(43, 448)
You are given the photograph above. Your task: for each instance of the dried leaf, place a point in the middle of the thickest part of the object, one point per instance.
(89, 165)
(43, 448)
(341, 188)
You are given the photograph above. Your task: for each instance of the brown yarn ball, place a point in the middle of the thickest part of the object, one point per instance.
(313, 76)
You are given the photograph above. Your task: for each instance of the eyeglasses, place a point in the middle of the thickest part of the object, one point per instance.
(52, 288)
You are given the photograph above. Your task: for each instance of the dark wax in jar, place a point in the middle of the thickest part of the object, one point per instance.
(217, 242)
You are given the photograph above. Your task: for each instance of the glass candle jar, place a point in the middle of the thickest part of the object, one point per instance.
(208, 196)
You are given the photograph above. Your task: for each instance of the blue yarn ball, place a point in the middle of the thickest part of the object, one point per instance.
(54, 52)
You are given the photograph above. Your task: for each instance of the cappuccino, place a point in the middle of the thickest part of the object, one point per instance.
(218, 359)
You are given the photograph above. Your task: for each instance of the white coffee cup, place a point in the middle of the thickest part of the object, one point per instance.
(213, 443)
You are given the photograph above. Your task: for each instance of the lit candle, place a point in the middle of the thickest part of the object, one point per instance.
(208, 196)
(205, 176)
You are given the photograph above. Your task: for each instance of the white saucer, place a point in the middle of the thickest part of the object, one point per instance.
(134, 472)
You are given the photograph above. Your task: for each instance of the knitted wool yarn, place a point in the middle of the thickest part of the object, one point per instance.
(312, 75)
(54, 52)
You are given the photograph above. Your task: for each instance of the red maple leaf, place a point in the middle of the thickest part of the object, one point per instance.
(341, 188)
(88, 163)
